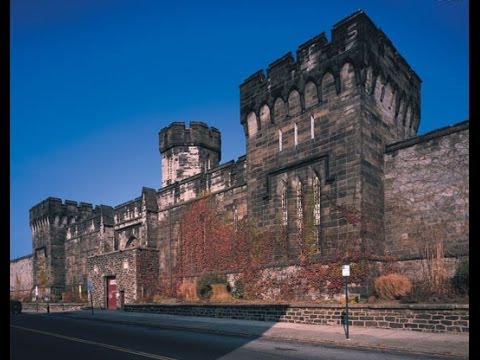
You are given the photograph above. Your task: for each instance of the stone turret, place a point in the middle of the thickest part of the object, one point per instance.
(188, 151)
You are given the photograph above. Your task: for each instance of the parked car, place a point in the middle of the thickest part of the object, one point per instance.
(15, 306)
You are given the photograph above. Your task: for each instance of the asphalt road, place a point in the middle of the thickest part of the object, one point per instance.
(53, 336)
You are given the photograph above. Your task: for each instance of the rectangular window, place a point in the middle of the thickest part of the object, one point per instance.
(280, 140)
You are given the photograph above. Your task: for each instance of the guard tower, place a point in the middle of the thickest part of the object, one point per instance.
(188, 151)
(49, 220)
(318, 125)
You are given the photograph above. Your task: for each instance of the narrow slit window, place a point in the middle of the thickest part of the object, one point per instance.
(312, 127)
(284, 206)
(295, 134)
(316, 201)
(235, 217)
(207, 163)
(316, 210)
(169, 170)
(299, 207)
(280, 140)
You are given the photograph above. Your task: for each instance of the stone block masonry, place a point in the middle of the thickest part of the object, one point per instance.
(53, 307)
(188, 151)
(427, 193)
(135, 271)
(426, 318)
(21, 281)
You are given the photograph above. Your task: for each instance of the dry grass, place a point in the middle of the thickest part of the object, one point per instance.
(392, 286)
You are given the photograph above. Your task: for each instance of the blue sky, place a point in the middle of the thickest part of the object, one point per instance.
(93, 82)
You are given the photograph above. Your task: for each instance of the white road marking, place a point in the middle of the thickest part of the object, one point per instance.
(112, 347)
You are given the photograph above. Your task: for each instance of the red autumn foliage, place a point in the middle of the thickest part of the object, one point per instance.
(208, 243)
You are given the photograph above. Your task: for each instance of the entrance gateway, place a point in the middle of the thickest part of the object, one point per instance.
(111, 293)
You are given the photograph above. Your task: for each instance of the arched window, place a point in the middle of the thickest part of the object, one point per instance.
(264, 115)
(279, 110)
(252, 124)
(328, 87)
(294, 104)
(311, 94)
(132, 242)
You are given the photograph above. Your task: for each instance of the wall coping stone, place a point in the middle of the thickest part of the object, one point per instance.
(323, 306)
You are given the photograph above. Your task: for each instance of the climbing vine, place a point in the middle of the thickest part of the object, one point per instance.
(210, 244)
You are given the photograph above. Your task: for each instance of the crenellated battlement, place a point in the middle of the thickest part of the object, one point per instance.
(188, 151)
(198, 134)
(53, 207)
(102, 215)
(315, 45)
(356, 42)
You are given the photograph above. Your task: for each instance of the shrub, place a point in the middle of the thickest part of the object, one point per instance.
(422, 293)
(204, 284)
(392, 286)
(238, 292)
(157, 298)
(70, 296)
(188, 291)
(460, 280)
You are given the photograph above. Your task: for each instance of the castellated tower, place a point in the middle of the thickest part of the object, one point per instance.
(188, 151)
(316, 129)
(49, 221)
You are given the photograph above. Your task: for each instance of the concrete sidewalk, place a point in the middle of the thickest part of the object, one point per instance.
(450, 345)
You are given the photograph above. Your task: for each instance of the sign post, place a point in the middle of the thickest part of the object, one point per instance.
(90, 293)
(346, 274)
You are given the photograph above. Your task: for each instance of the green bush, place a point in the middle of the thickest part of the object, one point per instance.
(204, 284)
(460, 280)
(238, 291)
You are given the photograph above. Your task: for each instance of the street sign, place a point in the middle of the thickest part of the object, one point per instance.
(345, 270)
(346, 274)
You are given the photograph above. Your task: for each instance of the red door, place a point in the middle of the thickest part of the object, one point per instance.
(112, 293)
